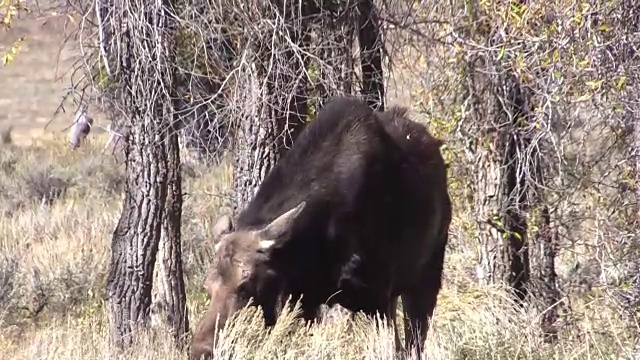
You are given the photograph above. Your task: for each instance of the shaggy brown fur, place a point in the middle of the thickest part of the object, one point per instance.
(356, 213)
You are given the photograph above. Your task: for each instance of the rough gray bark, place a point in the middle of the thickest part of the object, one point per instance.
(149, 228)
(505, 249)
(137, 235)
(500, 111)
(546, 241)
(170, 294)
(273, 127)
(371, 51)
(151, 209)
(281, 111)
(256, 153)
(336, 29)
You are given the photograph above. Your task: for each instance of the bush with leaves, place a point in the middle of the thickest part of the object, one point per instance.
(534, 101)
(9, 9)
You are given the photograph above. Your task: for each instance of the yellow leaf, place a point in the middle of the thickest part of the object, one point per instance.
(585, 7)
(583, 98)
(501, 53)
(517, 236)
(6, 60)
(621, 82)
(604, 27)
(15, 48)
(583, 63)
(594, 84)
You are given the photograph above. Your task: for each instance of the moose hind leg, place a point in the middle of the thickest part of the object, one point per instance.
(391, 317)
(419, 302)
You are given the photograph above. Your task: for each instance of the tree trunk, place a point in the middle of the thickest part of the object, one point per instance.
(152, 205)
(371, 47)
(504, 254)
(137, 235)
(150, 221)
(501, 111)
(170, 296)
(501, 188)
(279, 108)
(255, 155)
(514, 201)
(544, 245)
(333, 45)
(545, 241)
(487, 179)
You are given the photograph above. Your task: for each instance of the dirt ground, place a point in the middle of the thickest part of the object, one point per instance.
(33, 85)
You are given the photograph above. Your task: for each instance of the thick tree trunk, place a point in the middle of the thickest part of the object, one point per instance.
(487, 179)
(152, 204)
(516, 251)
(150, 221)
(631, 295)
(371, 51)
(544, 245)
(137, 235)
(501, 110)
(255, 154)
(504, 254)
(281, 111)
(634, 119)
(170, 296)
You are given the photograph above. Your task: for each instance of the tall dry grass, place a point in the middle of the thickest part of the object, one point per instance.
(54, 258)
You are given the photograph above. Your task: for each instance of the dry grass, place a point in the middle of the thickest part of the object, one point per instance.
(55, 258)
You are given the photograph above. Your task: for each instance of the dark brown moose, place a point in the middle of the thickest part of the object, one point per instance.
(356, 213)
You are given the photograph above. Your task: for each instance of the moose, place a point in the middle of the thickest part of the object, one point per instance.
(355, 213)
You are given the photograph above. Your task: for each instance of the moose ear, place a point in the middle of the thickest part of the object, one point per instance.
(223, 226)
(279, 226)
